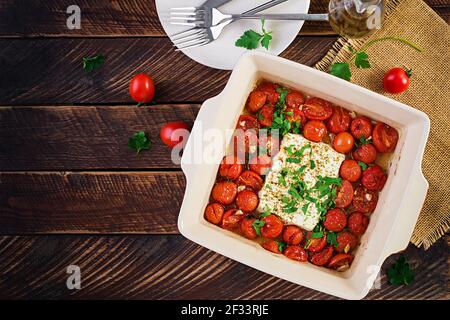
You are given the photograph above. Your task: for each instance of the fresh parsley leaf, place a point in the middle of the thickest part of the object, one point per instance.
(281, 245)
(341, 70)
(400, 273)
(362, 165)
(305, 207)
(315, 235)
(362, 60)
(249, 40)
(265, 41)
(293, 160)
(139, 141)
(257, 225)
(266, 213)
(312, 164)
(332, 239)
(93, 63)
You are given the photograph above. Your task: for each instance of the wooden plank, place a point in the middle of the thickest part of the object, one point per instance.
(171, 267)
(117, 18)
(85, 137)
(83, 202)
(49, 71)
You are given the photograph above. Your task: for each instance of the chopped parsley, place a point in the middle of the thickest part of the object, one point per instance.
(400, 272)
(332, 239)
(362, 165)
(257, 225)
(281, 245)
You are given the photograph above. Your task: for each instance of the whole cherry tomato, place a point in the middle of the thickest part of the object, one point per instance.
(214, 213)
(247, 200)
(261, 164)
(271, 245)
(344, 195)
(317, 109)
(315, 244)
(231, 167)
(292, 235)
(397, 80)
(256, 100)
(296, 253)
(224, 192)
(350, 170)
(250, 179)
(265, 115)
(314, 130)
(340, 262)
(364, 200)
(322, 258)
(247, 229)
(294, 99)
(232, 218)
(385, 138)
(357, 223)
(365, 153)
(343, 142)
(174, 133)
(373, 178)
(361, 127)
(346, 241)
(335, 220)
(339, 120)
(142, 88)
(272, 228)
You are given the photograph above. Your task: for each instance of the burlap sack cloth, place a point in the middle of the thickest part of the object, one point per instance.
(429, 92)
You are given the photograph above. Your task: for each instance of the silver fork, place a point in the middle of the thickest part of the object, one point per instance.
(199, 36)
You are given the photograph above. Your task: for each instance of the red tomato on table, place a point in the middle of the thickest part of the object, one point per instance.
(142, 88)
(174, 133)
(397, 80)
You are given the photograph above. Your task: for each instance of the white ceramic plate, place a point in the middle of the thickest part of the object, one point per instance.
(222, 53)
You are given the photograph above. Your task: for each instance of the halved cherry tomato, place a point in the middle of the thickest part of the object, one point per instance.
(365, 200)
(357, 223)
(271, 245)
(247, 200)
(361, 127)
(373, 178)
(295, 115)
(265, 115)
(365, 153)
(296, 253)
(256, 100)
(317, 109)
(350, 170)
(214, 212)
(396, 80)
(247, 229)
(174, 133)
(346, 241)
(272, 228)
(340, 261)
(250, 179)
(246, 122)
(339, 120)
(322, 258)
(385, 138)
(231, 167)
(344, 195)
(270, 89)
(232, 218)
(314, 130)
(343, 142)
(315, 244)
(261, 164)
(142, 88)
(292, 235)
(294, 99)
(224, 192)
(335, 220)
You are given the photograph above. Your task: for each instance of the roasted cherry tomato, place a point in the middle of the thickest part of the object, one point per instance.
(269, 143)
(296, 253)
(339, 120)
(224, 192)
(365, 200)
(315, 244)
(340, 262)
(247, 229)
(361, 127)
(397, 80)
(373, 178)
(357, 223)
(261, 164)
(343, 142)
(250, 179)
(317, 109)
(247, 200)
(385, 138)
(265, 115)
(246, 122)
(271, 245)
(335, 220)
(350, 170)
(292, 235)
(272, 228)
(214, 212)
(346, 241)
(295, 115)
(365, 153)
(231, 167)
(232, 218)
(314, 130)
(270, 89)
(245, 142)
(256, 100)
(322, 258)
(142, 88)
(174, 133)
(344, 195)
(294, 99)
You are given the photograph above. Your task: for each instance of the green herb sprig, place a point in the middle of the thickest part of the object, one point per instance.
(251, 39)
(400, 272)
(93, 63)
(139, 141)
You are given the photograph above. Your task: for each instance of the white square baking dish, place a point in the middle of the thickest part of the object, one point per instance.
(399, 205)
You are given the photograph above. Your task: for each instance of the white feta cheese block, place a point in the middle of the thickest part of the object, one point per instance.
(316, 160)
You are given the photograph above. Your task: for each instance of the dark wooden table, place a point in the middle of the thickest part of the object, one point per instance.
(72, 193)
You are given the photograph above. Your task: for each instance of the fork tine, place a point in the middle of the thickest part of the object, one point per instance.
(184, 8)
(199, 44)
(185, 40)
(183, 33)
(193, 18)
(189, 24)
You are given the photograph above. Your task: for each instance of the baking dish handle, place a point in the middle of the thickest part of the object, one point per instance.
(401, 234)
